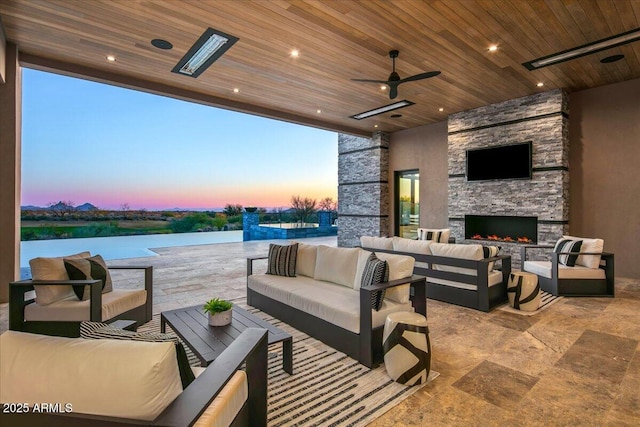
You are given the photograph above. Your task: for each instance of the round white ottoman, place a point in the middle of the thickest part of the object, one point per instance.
(523, 291)
(406, 346)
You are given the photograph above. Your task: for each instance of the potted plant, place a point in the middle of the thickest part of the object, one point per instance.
(219, 311)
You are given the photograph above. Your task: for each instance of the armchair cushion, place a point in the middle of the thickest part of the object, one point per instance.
(306, 260)
(85, 269)
(589, 246)
(440, 235)
(543, 268)
(227, 403)
(41, 368)
(568, 245)
(70, 309)
(43, 268)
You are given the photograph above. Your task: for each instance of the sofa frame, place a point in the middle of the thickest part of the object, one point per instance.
(250, 347)
(576, 287)
(18, 300)
(365, 347)
(483, 298)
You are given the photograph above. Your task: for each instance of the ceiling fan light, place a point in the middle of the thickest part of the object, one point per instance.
(209, 47)
(384, 109)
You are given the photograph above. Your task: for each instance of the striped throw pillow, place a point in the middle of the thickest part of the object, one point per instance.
(568, 245)
(87, 269)
(375, 271)
(282, 260)
(490, 252)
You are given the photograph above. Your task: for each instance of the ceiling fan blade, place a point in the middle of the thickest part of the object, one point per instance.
(420, 76)
(369, 81)
(393, 91)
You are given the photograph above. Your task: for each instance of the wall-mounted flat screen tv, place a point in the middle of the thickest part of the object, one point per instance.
(501, 162)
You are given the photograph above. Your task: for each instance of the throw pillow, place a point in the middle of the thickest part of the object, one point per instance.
(490, 252)
(87, 269)
(568, 245)
(440, 235)
(97, 330)
(282, 260)
(43, 268)
(375, 271)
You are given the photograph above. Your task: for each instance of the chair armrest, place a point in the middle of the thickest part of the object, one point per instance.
(250, 263)
(250, 346)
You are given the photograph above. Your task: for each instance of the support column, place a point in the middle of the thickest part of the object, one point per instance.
(10, 128)
(363, 187)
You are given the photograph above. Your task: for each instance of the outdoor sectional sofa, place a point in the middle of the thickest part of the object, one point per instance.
(456, 273)
(106, 382)
(326, 301)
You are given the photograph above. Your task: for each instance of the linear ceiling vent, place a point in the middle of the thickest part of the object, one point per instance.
(211, 45)
(585, 49)
(380, 110)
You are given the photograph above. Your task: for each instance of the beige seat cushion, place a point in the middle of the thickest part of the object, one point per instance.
(71, 309)
(227, 404)
(495, 277)
(374, 242)
(543, 268)
(412, 246)
(306, 262)
(471, 252)
(52, 269)
(336, 265)
(333, 303)
(124, 379)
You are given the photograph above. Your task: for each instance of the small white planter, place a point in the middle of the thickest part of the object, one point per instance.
(220, 319)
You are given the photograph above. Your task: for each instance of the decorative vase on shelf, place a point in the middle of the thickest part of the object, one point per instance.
(220, 319)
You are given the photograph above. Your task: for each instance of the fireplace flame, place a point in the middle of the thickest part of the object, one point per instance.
(476, 237)
(524, 240)
(496, 238)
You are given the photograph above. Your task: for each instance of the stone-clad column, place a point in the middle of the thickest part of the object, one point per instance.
(363, 187)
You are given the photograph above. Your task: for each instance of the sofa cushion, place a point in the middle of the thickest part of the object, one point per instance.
(567, 245)
(306, 260)
(52, 269)
(70, 309)
(490, 252)
(333, 303)
(435, 234)
(590, 246)
(336, 265)
(86, 269)
(123, 379)
(375, 271)
(412, 246)
(543, 268)
(226, 405)
(400, 267)
(374, 242)
(494, 278)
(472, 252)
(99, 330)
(282, 260)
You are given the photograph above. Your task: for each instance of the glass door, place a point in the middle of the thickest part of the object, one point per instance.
(407, 218)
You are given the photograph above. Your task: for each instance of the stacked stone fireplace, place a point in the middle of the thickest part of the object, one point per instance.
(539, 205)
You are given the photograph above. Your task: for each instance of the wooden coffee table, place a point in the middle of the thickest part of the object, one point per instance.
(191, 324)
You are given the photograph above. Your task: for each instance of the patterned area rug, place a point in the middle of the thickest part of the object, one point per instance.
(327, 388)
(546, 300)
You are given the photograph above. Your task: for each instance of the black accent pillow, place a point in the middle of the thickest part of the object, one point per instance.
(86, 269)
(282, 260)
(98, 330)
(375, 271)
(568, 245)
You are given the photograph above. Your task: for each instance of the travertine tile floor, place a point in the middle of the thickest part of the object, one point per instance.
(575, 364)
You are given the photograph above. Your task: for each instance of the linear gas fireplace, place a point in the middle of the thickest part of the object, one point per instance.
(512, 229)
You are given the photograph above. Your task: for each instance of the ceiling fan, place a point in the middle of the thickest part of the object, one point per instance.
(394, 79)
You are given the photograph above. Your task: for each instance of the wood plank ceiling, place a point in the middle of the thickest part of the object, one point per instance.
(338, 40)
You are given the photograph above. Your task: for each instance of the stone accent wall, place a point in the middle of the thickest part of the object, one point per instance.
(363, 187)
(540, 118)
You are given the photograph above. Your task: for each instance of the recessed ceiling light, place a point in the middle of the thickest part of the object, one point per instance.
(375, 126)
(383, 87)
(493, 48)
(111, 58)
(384, 109)
(612, 58)
(295, 53)
(236, 90)
(211, 45)
(539, 84)
(585, 49)
(441, 109)
(161, 44)
(318, 111)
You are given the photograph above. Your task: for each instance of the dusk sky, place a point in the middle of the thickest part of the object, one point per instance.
(89, 142)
